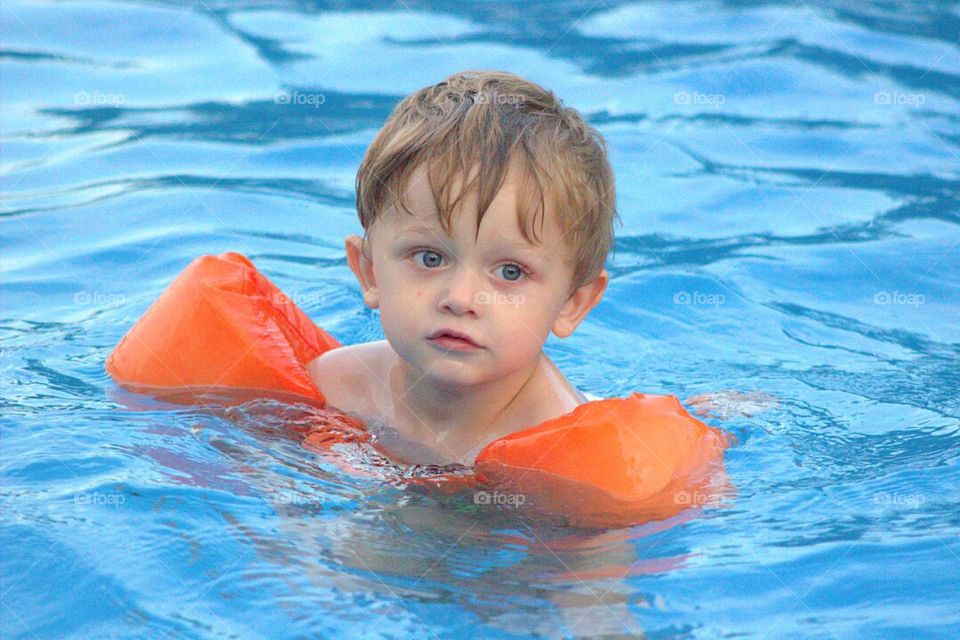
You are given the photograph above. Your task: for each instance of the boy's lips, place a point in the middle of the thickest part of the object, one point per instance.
(453, 337)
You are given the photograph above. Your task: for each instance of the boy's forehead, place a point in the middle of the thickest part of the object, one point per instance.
(429, 228)
(427, 223)
(502, 221)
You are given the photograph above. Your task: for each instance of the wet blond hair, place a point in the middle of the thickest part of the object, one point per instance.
(481, 122)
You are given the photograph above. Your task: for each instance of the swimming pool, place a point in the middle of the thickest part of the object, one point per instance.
(789, 182)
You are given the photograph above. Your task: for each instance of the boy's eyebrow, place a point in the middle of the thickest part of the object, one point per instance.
(433, 231)
(421, 230)
(523, 246)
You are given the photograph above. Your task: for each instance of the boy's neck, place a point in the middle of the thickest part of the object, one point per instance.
(461, 414)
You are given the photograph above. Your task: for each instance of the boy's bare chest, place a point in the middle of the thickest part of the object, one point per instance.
(355, 380)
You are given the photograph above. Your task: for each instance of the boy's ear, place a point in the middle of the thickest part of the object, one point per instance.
(362, 267)
(579, 305)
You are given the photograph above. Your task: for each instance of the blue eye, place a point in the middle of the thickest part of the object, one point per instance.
(433, 258)
(513, 272)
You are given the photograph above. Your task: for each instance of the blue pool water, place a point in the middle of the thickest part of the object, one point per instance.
(789, 183)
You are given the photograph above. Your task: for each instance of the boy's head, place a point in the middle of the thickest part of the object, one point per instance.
(485, 121)
(496, 174)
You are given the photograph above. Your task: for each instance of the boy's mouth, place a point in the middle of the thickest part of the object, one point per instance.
(451, 339)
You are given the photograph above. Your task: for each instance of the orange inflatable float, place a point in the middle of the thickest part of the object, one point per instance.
(611, 462)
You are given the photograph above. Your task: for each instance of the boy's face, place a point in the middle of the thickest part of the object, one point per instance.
(505, 294)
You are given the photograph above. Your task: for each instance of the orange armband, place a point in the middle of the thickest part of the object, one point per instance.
(221, 323)
(611, 461)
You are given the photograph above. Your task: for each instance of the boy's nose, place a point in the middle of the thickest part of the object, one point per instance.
(463, 292)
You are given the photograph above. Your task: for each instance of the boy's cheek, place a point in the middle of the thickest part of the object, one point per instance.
(522, 332)
(415, 301)
(525, 311)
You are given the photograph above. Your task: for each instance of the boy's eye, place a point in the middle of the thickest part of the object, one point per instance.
(512, 272)
(431, 258)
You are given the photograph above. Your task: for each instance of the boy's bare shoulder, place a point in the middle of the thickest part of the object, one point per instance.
(348, 376)
(565, 393)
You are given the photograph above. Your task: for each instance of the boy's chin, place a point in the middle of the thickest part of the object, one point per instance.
(447, 370)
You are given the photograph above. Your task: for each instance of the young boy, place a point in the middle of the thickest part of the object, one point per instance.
(487, 210)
